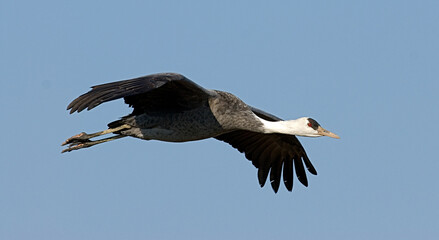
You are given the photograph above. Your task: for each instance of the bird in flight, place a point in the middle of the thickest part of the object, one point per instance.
(169, 107)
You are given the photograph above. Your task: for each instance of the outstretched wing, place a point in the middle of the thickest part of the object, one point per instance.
(149, 93)
(268, 152)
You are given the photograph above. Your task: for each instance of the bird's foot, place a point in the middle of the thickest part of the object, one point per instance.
(78, 138)
(82, 141)
(78, 145)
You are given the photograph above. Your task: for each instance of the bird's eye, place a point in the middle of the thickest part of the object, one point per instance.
(309, 124)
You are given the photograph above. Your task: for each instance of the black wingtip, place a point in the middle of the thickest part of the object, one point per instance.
(262, 176)
(275, 185)
(311, 169)
(289, 186)
(303, 180)
(288, 175)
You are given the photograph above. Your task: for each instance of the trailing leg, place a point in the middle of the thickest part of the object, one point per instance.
(82, 140)
(84, 137)
(88, 143)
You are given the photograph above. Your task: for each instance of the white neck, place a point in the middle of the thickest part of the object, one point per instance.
(290, 127)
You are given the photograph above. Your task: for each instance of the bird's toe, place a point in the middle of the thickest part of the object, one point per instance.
(78, 138)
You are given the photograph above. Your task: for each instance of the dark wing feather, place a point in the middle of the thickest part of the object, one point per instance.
(270, 152)
(153, 92)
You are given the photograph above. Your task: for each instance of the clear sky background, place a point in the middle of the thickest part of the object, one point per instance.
(366, 70)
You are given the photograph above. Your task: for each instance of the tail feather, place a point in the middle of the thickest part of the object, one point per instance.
(116, 123)
(119, 122)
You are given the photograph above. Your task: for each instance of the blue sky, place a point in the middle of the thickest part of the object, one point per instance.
(366, 70)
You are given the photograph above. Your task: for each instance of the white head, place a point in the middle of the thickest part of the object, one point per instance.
(308, 127)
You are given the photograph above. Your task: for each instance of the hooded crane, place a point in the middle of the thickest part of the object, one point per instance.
(169, 107)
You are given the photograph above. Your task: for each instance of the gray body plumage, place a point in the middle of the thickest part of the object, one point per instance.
(170, 107)
(181, 127)
(221, 113)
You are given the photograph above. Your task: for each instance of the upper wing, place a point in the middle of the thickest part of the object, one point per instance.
(268, 152)
(152, 92)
